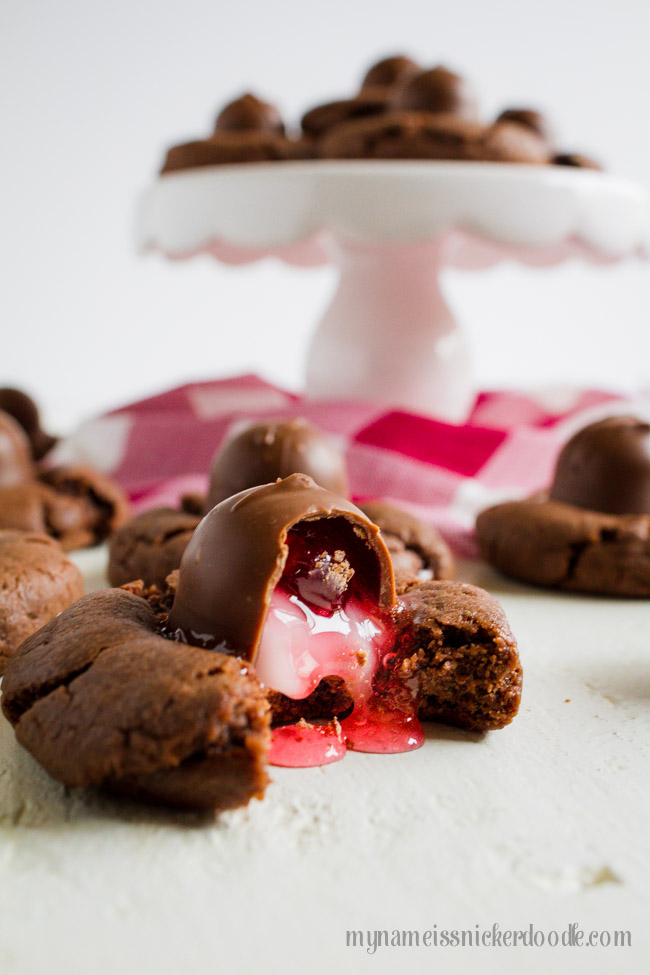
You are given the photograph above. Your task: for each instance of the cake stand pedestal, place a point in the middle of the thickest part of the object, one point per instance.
(391, 228)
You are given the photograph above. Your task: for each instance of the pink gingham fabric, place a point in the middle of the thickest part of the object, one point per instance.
(161, 447)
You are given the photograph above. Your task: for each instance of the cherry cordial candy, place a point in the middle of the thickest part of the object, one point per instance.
(389, 71)
(300, 582)
(264, 451)
(531, 119)
(606, 467)
(437, 90)
(15, 453)
(25, 411)
(249, 113)
(292, 534)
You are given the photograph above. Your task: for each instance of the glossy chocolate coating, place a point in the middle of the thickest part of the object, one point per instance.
(15, 453)
(606, 467)
(437, 90)
(237, 554)
(531, 119)
(265, 451)
(25, 411)
(389, 71)
(249, 113)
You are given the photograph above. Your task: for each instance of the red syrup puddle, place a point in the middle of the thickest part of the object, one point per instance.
(372, 728)
(382, 730)
(306, 745)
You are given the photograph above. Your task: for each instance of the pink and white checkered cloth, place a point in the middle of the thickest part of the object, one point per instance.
(161, 447)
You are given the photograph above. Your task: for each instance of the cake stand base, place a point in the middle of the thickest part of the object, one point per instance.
(388, 333)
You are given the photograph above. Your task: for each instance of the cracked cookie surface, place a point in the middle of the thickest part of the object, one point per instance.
(100, 698)
(461, 654)
(550, 543)
(150, 546)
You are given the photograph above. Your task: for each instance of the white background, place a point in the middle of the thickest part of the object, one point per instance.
(92, 93)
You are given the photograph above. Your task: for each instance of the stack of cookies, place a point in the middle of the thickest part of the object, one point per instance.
(401, 111)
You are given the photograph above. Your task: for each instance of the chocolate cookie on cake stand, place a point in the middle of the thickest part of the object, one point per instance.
(391, 225)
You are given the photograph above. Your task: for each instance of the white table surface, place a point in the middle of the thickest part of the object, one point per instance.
(544, 822)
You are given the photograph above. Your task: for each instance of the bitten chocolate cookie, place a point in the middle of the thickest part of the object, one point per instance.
(456, 655)
(150, 546)
(417, 550)
(462, 654)
(421, 135)
(37, 582)
(99, 698)
(151, 692)
(591, 531)
(299, 582)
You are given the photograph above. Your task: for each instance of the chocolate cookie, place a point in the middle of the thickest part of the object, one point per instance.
(530, 119)
(420, 135)
(16, 465)
(549, 543)
(99, 698)
(249, 113)
(389, 71)
(322, 118)
(150, 546)
(76, 505)
(34, 507)
(98, 503)
(461, 654)
(25, 412)
(591, 531)
(436, 91)
(37, 582)
(231, 146)
(417, 550)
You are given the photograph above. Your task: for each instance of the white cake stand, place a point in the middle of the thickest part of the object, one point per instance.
(391, 227)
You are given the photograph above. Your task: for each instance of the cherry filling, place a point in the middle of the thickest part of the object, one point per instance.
(324, 621)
